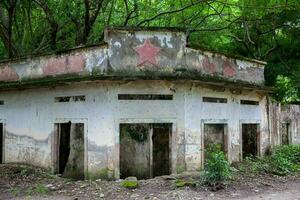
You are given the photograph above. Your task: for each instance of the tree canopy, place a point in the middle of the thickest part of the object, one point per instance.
(267, 30)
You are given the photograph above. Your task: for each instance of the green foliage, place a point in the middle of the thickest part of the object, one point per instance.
(286, 92)
(217, 169)
(286, 159)
(282, 161)
(41, 189)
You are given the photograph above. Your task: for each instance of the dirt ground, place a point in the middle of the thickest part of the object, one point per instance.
(24, 182)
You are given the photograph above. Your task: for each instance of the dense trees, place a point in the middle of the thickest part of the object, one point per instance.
(262, 29)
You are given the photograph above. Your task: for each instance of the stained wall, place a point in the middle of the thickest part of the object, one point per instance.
(30, 115)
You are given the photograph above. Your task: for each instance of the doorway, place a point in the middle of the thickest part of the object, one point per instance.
(1, 142)
(285, 133)
(215, 134)
(69, 150)
(145, 150)
(250, 140)
(161, 149)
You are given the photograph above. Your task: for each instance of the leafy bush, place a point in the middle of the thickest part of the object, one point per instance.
(290, 152)
(217, 169)
(283, 160)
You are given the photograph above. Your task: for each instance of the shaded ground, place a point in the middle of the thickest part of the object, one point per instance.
(24, 182)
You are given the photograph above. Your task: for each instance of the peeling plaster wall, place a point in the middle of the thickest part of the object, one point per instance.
(29, 117)
(133, 53)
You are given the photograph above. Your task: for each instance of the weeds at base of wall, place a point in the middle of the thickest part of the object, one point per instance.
(283, 160)
(16, 170)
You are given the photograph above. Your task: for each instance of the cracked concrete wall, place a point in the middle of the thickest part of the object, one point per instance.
(284, 114)
(30, 115)
(133, 53)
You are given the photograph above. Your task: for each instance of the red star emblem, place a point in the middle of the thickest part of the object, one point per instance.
(147, 53)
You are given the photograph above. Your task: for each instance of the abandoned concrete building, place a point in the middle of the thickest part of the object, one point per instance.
(141, 104)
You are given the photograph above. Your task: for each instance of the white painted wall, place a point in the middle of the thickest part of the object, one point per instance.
(33, 113)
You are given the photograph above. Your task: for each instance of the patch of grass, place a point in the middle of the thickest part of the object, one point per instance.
(24, 171)
(29, 191)
(41, 189)
(15, 191)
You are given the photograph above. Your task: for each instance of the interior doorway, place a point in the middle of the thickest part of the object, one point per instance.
(69, 147)
(1, 142)
(250, 138)
(161, 149)
(215, 134)
(145, 150)
(285, 133)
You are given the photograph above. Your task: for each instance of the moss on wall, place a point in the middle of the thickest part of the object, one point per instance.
(104, 173)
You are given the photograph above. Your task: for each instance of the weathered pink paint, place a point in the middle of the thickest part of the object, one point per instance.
(147, 53)
(8, 74)
(55, 66)
(209, 67)
(228, 70)
(64, 65)
(75, 63)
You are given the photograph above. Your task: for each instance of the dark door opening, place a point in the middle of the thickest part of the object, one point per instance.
(1, 142)
(250, 138)
(64, 146)
(70, 150)
(145, 150)
(285, 133)
(215, 137)
(161, 149)
(134, 151)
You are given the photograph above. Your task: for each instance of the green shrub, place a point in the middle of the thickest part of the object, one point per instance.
(217, 169)
(285, 159)
(282, 160)
(290, 152)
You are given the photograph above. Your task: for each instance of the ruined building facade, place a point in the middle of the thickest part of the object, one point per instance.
(141, 104)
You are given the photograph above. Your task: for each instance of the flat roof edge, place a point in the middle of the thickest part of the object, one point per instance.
(144, 28)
